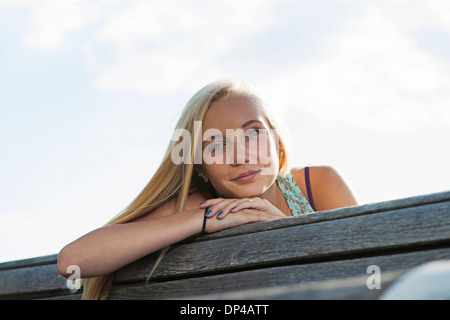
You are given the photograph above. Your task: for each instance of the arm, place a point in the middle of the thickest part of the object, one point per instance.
(109, 248)
(329, 188)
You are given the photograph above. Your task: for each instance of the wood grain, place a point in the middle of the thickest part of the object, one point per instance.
(321, 255)
(276, 276)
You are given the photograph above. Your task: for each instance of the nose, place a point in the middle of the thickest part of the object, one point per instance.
(241, 151)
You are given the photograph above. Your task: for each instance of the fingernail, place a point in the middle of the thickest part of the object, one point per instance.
(219, 213)
(233, 208)
(209, 212)
(202, 203)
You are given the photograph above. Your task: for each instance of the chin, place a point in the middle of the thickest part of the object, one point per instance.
(245, 191)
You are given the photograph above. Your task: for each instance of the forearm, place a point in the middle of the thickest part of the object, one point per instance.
(109, 248)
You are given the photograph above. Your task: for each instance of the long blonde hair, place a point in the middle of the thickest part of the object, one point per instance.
(177, 181)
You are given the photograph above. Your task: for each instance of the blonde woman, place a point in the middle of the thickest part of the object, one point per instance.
(227, 167)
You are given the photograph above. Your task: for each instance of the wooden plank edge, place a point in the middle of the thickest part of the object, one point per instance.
(29, 262)
(340, 213)
(354, 288)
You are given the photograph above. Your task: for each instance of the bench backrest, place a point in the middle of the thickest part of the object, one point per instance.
(393, 236)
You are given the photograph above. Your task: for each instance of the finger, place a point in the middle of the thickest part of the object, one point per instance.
(212, 206)
(210, 202)
(218, 206)
(247, 203)
(226, 208)
(255, 215)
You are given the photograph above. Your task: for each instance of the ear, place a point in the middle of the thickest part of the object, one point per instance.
(280, 150)
(201, 172)
(198, 168)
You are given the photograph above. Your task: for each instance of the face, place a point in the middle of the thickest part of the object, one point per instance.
(239, 148)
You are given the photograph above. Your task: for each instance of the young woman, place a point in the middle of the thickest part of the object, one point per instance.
(241, 176)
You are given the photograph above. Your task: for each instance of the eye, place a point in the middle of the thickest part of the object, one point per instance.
(252, 132)
(215, 147)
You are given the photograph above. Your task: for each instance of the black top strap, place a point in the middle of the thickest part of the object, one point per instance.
(308, 188)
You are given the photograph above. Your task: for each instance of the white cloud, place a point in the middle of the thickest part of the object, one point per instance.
(375, 72)
(163, 46)
(375, 77)
(415, 14)
(154, 47)
(52, 20)
(209, 25)
(155, 73)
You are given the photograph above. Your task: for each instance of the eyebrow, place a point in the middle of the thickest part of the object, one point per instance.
(246, 124)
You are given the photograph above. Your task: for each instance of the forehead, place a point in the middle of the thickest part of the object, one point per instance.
(231, 112)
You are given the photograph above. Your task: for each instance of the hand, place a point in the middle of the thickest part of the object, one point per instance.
(242, 211)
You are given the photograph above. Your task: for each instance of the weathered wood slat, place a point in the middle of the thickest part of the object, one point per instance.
(347, 212)
(31, 262)
(32, 282)
(400, 229)
(353, 288)
(32, 278)
(335, 244)
(276, 276)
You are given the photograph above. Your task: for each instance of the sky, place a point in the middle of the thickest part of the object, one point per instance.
(90, 92)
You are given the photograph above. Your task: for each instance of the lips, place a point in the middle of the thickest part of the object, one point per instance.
(247, 176)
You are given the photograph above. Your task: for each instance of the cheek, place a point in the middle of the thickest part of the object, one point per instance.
(216, 174)
(267, 151)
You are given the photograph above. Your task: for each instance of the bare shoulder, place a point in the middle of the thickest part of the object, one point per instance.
(329, 187)
(318, 173)
(192, 202)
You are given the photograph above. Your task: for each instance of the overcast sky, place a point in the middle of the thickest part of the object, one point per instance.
(90, 92)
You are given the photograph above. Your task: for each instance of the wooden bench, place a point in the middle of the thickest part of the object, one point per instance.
(325, 255)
